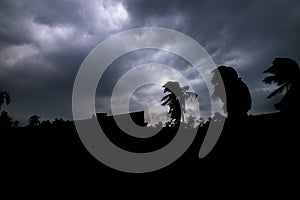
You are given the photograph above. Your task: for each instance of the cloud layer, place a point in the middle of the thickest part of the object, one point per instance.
(42, 44)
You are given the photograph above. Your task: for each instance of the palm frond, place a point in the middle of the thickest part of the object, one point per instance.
(272, 70)
(277, 91)
(165, 97)
(167, 90)
(168, 99)
(165, 103)
(275, 79)
(270, 79)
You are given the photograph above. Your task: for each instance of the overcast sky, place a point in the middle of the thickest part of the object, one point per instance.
(43, 43)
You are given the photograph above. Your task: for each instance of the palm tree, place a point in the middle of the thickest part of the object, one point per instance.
(175, 99)
(4, 98)
(34, 120)
(285, 74)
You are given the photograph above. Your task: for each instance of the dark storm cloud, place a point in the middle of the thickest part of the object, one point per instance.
(42, 46)
(228, 29)
(42, 43)
(246, 35)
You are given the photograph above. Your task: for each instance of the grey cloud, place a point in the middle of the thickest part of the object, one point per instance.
(57, 35)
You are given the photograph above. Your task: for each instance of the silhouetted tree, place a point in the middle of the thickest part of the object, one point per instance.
(237, 101)
(5, 120)
(287, 76)
(175, 99)
(34, 120)
(4, 98)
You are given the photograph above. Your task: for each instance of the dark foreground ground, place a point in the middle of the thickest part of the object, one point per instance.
(260, 154)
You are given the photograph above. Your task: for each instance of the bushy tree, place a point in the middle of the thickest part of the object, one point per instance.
(34, 120)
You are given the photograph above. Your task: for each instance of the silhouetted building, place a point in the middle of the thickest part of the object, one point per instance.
(108, 120)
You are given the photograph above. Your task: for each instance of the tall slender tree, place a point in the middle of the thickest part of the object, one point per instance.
(4, 98)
